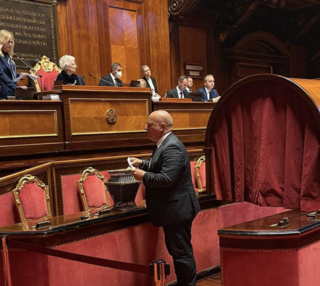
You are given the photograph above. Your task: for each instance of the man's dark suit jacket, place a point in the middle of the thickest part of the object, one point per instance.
(108, 81)
(8, 86)
(173, 93)
(213, 94)
(170, 195)
(154, 83)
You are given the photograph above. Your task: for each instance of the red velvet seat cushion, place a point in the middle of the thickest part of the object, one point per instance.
(47, 80)
(33, 201)
(202, 172)
(193, 174)
(70, 193)
(95, 192)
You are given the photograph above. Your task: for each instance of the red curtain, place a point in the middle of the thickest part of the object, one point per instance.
(265, 148)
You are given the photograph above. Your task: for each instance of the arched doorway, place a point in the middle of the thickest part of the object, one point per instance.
(257, 53)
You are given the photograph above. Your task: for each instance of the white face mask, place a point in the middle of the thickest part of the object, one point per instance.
(119, 74)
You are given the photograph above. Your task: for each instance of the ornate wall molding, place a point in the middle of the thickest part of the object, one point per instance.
(179, 8)
(263, 37)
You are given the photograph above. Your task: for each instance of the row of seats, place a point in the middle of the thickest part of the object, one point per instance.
(32, 197)
(33, 200)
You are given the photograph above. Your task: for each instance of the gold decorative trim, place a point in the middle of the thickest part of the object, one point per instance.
(91, 172)
(181, 7)
(197, 168)
(28, 179)
(47, 66)
(111, 116)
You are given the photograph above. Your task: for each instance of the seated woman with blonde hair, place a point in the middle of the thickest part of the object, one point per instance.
(68, 76)
(155, 96)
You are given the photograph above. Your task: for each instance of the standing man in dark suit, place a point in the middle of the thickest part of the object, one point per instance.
(113, 78)
(151, 81)
(171, 200)
(180, 90)
(208, 91)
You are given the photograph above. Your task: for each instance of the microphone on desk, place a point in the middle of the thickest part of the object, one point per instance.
(30, 67)
(112, 83)
(84, 79)
(25, 62)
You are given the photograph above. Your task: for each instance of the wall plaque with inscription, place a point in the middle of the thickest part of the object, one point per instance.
(33, 24)
(194, 70)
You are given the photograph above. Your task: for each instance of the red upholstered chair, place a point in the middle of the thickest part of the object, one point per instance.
(198, 174)
(32, 199)
(93, 192)
(200, 169)
(49, 72)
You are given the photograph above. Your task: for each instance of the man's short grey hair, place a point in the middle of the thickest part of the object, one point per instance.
(205, 78)
(65, 61)
(114, 66)
(182, 78)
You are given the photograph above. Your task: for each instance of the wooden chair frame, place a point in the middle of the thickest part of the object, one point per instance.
(28, 179)
(197, 168)
(90, 172)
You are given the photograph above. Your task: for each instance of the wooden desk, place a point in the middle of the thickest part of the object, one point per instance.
(190, 119)
(105, 117)
(77, 124)
(31, 126)
(258, 252)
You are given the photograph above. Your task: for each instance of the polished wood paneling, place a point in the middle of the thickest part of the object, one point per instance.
(31, 126)
(99, 32)
(78, 35)
(211, 281)
(189, 118)
(193, 53)
(125, 100)
(121, 37)
(175, 57)
(124, 42)
(88, 116)
(36, 123)
(155, 15)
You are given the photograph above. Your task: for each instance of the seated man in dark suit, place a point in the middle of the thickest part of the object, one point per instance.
(208, 91)
(190, 84)
(180, 90)
(113, 78)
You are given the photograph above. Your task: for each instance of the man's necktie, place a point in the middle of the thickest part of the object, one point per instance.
(181, 94)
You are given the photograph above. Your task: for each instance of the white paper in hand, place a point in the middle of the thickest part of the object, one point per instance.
(129, 163)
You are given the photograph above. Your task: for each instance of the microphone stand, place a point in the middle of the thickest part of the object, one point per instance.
(32, 68)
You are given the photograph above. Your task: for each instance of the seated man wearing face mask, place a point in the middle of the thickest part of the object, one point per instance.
(113, 78)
